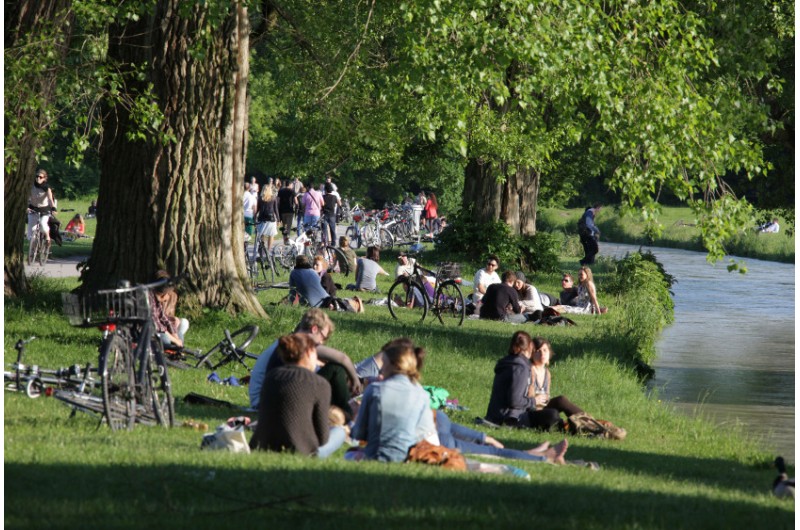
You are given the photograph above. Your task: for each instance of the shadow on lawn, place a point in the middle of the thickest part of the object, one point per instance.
(279, 495)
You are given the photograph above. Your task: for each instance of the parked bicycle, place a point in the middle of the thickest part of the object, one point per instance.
(411, 297)
(261, 269)
(307, 243)
(135, 383)
(231, 349)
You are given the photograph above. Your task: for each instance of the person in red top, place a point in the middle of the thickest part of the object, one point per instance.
(76, 225)
(431, 207)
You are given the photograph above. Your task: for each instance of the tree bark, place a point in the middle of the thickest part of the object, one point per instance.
(177, 205)
(33, 29)
(497, 192)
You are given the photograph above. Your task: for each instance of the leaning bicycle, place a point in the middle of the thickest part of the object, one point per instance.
(412, 297)
(134, 380)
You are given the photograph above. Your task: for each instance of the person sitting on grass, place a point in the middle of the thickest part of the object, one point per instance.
(569, 293)
(349, 253)
(405, 267)
(367, 270)
(484, 278)
(521, 389)
(395, 413)
(76, 226)
(306, 282)
(321, 268)
(585, 302)
(337, 367)
(501, 301)
(295, 404)
(529, 298)
(170, 328)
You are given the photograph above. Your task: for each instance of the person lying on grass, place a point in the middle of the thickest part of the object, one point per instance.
(521, 389)
(395, 413)
(295, 404)
(337, 368)
(455, 436)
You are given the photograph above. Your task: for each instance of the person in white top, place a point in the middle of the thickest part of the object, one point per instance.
(770, 228)
(485, 277)
(249, 202)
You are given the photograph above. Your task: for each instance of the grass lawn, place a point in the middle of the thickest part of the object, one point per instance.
(670, 472)
(679, 232)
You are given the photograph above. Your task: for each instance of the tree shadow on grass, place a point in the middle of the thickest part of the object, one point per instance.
(266, 491)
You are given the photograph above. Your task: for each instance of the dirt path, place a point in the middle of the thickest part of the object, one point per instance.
(57, 267)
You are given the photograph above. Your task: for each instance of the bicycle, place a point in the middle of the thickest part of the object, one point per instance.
(135, 383)
(287, 252)
(444, 299)
(34, 380)
(226, 351)
(262, 270)
(39, 248)
(375, 235)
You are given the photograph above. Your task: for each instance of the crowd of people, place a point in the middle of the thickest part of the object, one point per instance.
(310, 398)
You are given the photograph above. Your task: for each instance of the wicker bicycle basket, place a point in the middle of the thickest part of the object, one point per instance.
(449, 270)
(106, 307)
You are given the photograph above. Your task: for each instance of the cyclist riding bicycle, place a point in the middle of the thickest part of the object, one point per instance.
(40, 201)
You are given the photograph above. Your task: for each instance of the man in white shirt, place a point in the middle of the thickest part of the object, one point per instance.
(485, 277)
(249, 201)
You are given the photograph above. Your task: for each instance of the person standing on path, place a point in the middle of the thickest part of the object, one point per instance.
(312, 205)
(286, 207)
(589, 234)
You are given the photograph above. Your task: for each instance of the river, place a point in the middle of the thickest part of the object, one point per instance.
(729, 355)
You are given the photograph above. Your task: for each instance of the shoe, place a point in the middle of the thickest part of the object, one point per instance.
(214, 378)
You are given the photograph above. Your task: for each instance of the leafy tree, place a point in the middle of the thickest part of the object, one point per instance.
(514, 85)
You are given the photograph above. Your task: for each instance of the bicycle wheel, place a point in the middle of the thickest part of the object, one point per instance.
(44, 251)
(448, 304)
(370, 237)
(285, 255)
(266, 270)
(223, 351)
(33, 247)
(404, 300)
(353, 235)
(160, 386)
(386, 239)
(337, 260)
(116, 373)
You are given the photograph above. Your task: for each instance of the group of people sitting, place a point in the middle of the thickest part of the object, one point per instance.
(304, 392)
(510, 298)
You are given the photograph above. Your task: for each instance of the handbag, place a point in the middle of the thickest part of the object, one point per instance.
(436, 455)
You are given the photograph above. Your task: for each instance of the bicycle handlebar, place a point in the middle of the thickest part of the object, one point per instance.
(174, 280)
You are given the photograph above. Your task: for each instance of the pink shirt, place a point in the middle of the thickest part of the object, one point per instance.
(312, 202)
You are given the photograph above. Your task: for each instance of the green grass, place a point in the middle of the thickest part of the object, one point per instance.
(80, 247)
(679, 232)
(671, 472)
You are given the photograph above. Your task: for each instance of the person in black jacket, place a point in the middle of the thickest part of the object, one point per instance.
(499, 298)
(512, 402)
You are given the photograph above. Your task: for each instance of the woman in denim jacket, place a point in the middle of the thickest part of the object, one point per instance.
(395, 413)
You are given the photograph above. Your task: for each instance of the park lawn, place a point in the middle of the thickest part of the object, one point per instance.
(670, 472)
(679, 232)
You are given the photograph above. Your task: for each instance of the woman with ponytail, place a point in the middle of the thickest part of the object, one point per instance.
(395, 413)
(295, 403)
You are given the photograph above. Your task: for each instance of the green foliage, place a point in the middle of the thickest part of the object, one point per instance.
(642, 290)
(540, 252)
(466, 238)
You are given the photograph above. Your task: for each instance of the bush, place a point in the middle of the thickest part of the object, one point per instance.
(540, 252)
(464, 237)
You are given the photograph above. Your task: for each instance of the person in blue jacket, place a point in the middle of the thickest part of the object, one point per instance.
(589, 234)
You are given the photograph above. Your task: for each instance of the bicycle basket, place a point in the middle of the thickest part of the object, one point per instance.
(106, 307)
(449, 270)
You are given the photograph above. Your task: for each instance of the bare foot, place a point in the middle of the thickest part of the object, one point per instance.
(491, 441)
(555, 454)
(539, 449)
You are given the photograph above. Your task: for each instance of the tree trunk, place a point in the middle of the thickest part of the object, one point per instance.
(177, 205)
(37, 33)
(497, 192)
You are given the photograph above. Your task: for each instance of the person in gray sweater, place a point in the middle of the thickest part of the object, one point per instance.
(295, 404)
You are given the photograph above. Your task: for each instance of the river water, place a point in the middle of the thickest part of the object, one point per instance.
(729, 355)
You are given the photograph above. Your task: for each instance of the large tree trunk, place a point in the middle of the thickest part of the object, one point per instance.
(497, 192)
(36, 33)
(177, 205)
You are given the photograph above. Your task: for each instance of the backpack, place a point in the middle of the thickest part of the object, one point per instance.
(585, 424)
(436, 455)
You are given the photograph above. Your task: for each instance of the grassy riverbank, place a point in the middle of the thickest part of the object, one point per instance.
(679, 232)
(672, 471)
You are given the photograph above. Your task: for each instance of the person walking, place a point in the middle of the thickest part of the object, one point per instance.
(589, 233)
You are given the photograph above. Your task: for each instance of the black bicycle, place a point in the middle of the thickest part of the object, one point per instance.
(134, 380)
(411, 297)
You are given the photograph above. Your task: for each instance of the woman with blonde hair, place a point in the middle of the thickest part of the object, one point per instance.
(266, 219)
(395, 414)
(585, 303)
(295, 404)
